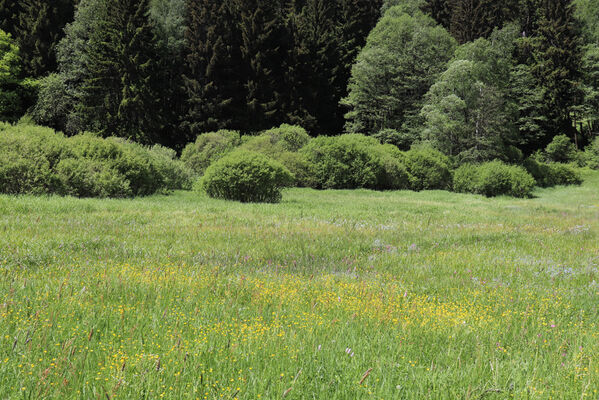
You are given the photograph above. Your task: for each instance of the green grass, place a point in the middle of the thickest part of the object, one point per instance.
(438, 295)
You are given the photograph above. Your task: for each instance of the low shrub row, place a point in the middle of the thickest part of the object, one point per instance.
(255, 168)
(36, 160)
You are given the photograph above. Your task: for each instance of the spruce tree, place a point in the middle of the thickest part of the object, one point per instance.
(264, 49)
(557, 58)
(318, 49)
(214, 71)
(120, 92)
(37, 26)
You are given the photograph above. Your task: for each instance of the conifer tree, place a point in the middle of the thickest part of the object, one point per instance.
(213, 76)
(37, 26)
(264, 49)
(557, 62)
(120, 92)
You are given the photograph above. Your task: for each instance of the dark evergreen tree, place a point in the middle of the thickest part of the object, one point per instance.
(120, 92)
(316, 53)
(264, 50)
(37, 26)
(472, 19)
(556, 64)
(168, 19)
(214, 71)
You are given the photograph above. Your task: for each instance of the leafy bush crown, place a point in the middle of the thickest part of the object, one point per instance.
(247, 177)
(208, 148)
(494, 178)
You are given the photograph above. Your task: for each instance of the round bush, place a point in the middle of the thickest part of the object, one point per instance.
(396, 175)
(83, 177)
(290, 137)
(354, 161)
(208, 148)
(560, 174)
(494, 178)
(429, 169)
(281, 144)
(247, 177)
(561, 149)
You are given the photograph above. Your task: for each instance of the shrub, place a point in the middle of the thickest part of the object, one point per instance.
(429, 169)
(83, 177)
(38, 160)
(494, 178)
(393, 161)
(208, 148)
(464, 179)
(561, 149)
(354, 161)
(247, 177)
(175, 174)
(290, 137)
(281, 144)
(560, 174)
(548, 175)
(592, 154)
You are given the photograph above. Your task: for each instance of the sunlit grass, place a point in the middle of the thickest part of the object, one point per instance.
(438, 295)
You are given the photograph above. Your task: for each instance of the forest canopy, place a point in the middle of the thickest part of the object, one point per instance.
(476, 79)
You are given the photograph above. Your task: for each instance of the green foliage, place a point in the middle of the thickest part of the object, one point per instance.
(282, 145)
(556, 65)
(37, 26)
(247, 177)
(467, 112)
(38, 160)
(401, 140)
(14, 92)
(290, 137)
(592, 154)
(429, 169)
(401, 60)
(354, 161)
(494, 178)
(54, 103)
(552, 174)
(208, 148)
(465, 178)
(561, 149)
(121, 96)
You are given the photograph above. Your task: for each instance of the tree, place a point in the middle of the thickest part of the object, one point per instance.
(168, 20)
(314, 68)
(557, 57)
(401, 60)
(465, 117)
(37, 26)
(213, 77)
(264, 47)
(120, 88)
(10, 68)
(469, 112)
(62, 96)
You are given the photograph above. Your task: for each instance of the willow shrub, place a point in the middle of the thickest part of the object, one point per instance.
(247, 177)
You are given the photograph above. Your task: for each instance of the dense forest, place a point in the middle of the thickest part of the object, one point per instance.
(477, 79)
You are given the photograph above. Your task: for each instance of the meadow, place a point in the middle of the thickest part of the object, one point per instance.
(327, 295)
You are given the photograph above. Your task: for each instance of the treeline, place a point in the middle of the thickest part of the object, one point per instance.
(166, 70)
(477, 79)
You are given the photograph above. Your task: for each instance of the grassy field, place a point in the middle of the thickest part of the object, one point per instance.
(328, 295)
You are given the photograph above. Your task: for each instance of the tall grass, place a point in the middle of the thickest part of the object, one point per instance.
(336, 295)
